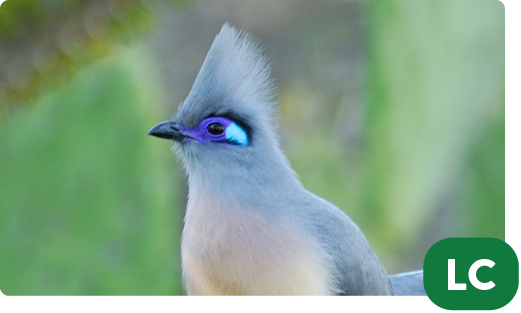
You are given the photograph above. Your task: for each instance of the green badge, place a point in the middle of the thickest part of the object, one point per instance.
(471, 273)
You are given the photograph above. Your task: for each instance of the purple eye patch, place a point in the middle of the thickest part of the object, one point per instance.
(217, 129)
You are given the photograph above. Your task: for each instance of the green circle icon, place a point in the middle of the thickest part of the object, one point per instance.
(471, 273)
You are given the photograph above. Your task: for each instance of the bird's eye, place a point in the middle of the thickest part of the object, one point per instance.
(215, 128)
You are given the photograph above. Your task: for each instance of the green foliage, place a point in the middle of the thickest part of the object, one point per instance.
(435, 124)
(14, 13)
(42, 43)
(86, 206)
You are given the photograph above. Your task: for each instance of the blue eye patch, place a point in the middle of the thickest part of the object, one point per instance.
(235, 134)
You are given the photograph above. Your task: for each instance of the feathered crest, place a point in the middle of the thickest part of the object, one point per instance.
(234, 79)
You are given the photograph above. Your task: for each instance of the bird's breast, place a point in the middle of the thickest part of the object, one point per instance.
(231, 249)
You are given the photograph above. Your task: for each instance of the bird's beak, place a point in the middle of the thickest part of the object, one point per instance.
(167, 130)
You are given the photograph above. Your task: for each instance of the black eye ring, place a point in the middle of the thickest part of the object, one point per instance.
(215, 128)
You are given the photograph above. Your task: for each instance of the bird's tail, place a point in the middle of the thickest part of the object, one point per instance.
(408, 284)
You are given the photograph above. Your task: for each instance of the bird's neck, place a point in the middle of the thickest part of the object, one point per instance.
(262, 176)
(246, 181)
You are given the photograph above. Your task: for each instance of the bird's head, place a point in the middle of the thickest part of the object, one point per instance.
(226, 124)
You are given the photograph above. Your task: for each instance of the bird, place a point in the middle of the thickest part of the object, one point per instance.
(250, 227)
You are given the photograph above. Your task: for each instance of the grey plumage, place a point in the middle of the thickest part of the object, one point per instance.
(250, 226)
(408, 284)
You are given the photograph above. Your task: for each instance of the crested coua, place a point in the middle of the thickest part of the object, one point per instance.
(251, 228)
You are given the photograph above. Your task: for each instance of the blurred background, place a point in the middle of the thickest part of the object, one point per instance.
(392, 110)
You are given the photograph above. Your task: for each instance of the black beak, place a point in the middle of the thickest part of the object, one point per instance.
(167, 130)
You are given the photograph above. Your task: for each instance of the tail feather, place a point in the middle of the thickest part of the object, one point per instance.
(408, 284)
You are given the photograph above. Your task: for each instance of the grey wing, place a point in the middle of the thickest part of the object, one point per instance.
(358, 270)
(408, 284)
